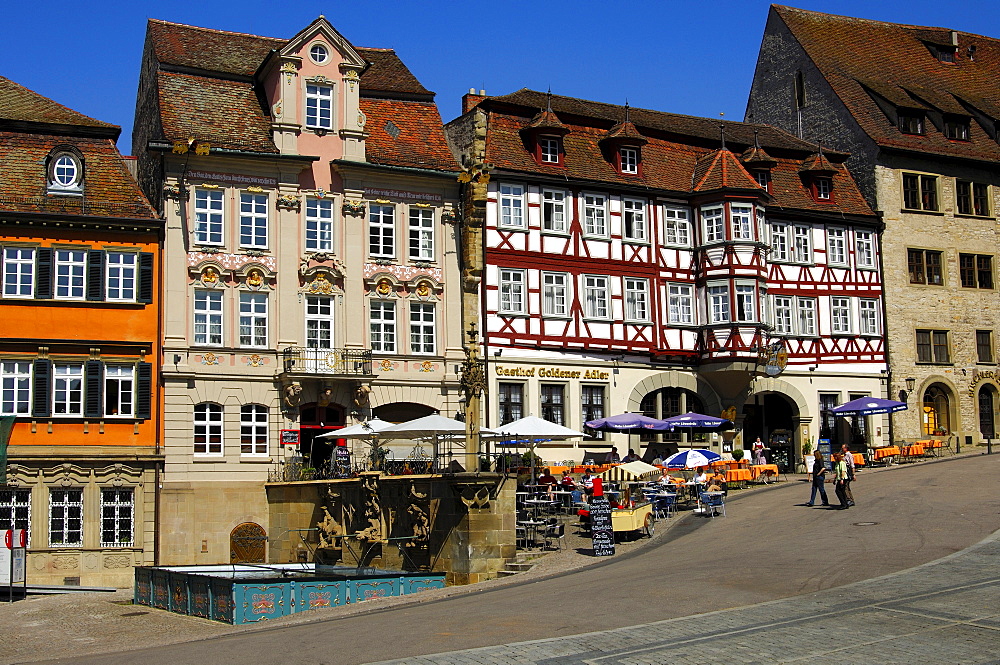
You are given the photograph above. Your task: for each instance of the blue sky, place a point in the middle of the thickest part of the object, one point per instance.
(679, 56)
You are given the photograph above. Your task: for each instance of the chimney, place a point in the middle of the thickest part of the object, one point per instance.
(132, 164)
(472, 98)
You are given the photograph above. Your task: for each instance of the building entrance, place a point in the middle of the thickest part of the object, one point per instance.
(315, 420)
(771, 418)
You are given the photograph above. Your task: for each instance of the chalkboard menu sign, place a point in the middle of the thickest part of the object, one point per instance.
(289, 437)
(601, 530)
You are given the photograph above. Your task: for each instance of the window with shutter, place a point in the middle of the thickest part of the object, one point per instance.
(42, 377)
(43, 280)
(95, 275)
(145, 277)
(144, 391)
(92, 392)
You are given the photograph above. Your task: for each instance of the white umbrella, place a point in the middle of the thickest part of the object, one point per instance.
(364, 430)
(533, 426)
(431, 427)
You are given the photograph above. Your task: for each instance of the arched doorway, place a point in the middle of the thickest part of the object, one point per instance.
(771, 416)
(315, 419)
(935, 416)
(664, 403)
(987, 411)
(248, 543)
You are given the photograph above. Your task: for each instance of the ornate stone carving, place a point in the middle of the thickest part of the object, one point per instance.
(354, 208)
(288, 201)
(361, 396)
(293, 395)
(66, 562)
(373, 510)
(115, 561)
(473, 376)
(329, 529)
(255, 279)
(320, 284)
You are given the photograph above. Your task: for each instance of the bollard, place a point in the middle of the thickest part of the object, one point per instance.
(989, 446)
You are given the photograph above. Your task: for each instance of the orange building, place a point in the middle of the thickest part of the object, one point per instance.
(79, 355)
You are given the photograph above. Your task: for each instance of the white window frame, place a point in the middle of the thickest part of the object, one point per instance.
(319, 225)
(208, 319)
(840, 315)
(15, 387)
(118, 509)
(805, 316)
(209, 211)
(629, 160)
(836, 245)
(510, 199)
(745, 302)
(680, 303)
(70, 274)
(676, 226)
(381, 230)
(555, 294)
(595, 215)
(718, 303)
(67, 390)
(548, 149)
(18, 272)
(423, 329)
(864, 249)
(120, 273)
(15, 510)
(554, 210)
(513, 291)
(741, 218)
(421, 233)
(319, 321)
(253, 220)
(253, 320)
(783, 308)
(779, 241)
(319, 106)
(254, 430)
(208, 422)
(66, 516)
(66, 172)
(636, 299)
(634, 215)
(713, 223)
(824, 189)
(382, 326)
(868, 317)
(596, 297)
(802, 250)
(120, 402)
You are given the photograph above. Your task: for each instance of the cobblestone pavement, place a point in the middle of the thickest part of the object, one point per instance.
(942, 612)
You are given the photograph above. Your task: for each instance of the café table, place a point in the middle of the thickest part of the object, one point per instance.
(931, 446)
(887, 453)
(912, 451)
(565, 497)
(531, 527)
(537, 504)
(859, 459)
(761, 472)
(741, 476)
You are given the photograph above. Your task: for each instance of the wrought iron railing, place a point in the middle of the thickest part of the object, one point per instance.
(301, 360)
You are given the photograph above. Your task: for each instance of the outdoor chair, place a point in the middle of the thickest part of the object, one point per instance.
(556, 532)
(665, 506)
(520, 536)
(713, 503)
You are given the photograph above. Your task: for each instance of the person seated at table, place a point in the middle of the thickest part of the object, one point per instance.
(578, 498)
(587, 480)
(665, 477)
(701, 477)
(631, 457)
(613, 457)
(718, 481)
(567, 482)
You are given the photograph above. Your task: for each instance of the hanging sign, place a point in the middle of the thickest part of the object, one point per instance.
(289, 437)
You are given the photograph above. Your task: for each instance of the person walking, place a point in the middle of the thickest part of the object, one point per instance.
(849, 460)
(818, 478)
(840, 469)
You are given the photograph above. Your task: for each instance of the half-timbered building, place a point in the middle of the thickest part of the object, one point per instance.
(644, 261)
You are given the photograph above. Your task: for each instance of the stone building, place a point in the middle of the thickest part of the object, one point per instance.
(918, 110)
(308, 194)
(644, 261)
(79, 345)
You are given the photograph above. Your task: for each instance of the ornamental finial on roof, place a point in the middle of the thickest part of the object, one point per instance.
(756, 138)
(722, 132)
(548, 100)
(626, 110)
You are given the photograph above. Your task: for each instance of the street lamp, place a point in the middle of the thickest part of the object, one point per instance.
(910, 383)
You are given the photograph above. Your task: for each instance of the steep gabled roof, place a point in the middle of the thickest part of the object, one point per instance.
(865, 60)
(720, 170)
(414, 139)
(19, 104)
(219, 51)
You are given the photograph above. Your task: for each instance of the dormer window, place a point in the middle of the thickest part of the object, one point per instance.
(946, 53)
(911, 122)
(628, 160)
(319, 106)
(65, 173)
(956, 128)
(763, 178)
(823, 189)
(549, 150)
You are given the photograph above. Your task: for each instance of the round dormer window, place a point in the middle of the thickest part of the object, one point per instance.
(319, 54)
(65, 172)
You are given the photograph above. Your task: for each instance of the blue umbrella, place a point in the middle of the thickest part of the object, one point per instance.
(867, 406)
(696, 420)
(691, 459)
(627, 421)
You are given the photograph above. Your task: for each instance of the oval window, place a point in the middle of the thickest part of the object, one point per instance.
(65, 172)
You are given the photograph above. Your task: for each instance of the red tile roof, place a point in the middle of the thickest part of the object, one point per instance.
(419, 142)
(859, 57)
(388, 74)
(19, 104)
(721, 170)
(211, 50)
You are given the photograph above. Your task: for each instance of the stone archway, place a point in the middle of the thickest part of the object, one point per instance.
(776, 411)
(248, 544)
(673, 379)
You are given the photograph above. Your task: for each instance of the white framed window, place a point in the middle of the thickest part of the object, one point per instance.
(741, 217)
(382, 326)
(208, 318)
(806, 315)
(549, 149)
(319, 322)
(676, 226)
(746, 302)
(512, 291)
(119, 391)
(840, 315)
(319, 225)
(65, 517)
(713, 224)
(15, 387)
(802, 246)
(381, 230)
(636, 299)
(629, 158)
(65, 173)
(782, 316)
(824, 188)
(319, 54)
(319, 106)
(718, 303)
(868, 319)
(253, 220)
(15, 510)
(253, 320)
(634, 219)
(864, 249)
(422, 328)
(511, 205)
(67, 389)
(208, 216)
(421, 234)
(761, 223)
(680, 303)
(596, 297)
(595, 215)
(779, 241)
(18, 272)
(207, 430)
(71, 272)
(119, 276)
(554, 210)
(117, 517)
(836, 245)
(555, 294)
(253, 430)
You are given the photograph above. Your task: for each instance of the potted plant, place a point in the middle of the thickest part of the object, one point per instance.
(737, 454)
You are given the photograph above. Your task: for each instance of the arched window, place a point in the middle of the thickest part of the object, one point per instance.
(253, 429)
(987, 411)
(667, 402)
(936, 412)
(207, 429)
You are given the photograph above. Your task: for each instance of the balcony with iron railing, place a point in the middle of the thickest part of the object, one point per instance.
(330, 362)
